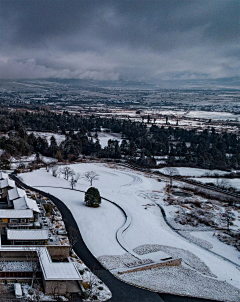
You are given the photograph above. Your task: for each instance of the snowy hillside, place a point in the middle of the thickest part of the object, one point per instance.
(139, 196)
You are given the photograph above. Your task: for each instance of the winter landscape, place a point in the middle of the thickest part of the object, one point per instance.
(209, 268)
(120, 150)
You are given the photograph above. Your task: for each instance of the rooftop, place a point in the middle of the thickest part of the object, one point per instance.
(16, 193)
(3, 175)
(24, 203)
(57, 270)
(16, 214)
(27, 234)
(7, 183)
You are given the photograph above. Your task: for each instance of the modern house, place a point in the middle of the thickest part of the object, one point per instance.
(3, 175)
(27, 237)
(58, 277)
(6, 185)
(24, 203)
(15, 219)
(13, 194)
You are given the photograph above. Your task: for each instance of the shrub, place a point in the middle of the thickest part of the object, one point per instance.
(92, 197)
(48, 208)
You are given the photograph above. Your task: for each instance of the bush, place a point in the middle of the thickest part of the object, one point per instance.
(92, 197)
(48, 208)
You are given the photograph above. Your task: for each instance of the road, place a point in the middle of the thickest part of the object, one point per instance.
(121, 291)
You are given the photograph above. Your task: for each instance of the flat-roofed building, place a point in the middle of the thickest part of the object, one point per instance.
(27, 237)
(19, 219)
(58, 277)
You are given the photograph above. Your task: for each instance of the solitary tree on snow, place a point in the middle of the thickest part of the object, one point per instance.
(67, 172)
(228, 216)
(55, 171)
(91, 176)
(74, 179)
(73, 237)
(170, 171)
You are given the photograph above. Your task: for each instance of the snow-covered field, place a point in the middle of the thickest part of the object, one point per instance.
(232, 182)
(59, 137)
(202, 114)
(26, 160)
(139, 195)
(193, 172)
(105, 137)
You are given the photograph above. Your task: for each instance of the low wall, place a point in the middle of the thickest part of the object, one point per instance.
(58, 252)
(173, 262)
(23, 255)
(54, 287)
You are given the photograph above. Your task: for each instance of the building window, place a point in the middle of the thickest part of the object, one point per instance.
(14, 220)
(23, 220)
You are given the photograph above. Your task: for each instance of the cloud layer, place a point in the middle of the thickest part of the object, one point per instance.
(149, 40)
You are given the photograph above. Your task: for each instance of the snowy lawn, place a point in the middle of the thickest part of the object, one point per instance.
(232, 182)
(105, 137)
(59, 137)
(135, 192)
(193, 172)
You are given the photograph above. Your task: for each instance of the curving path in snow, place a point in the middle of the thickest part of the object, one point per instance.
(186, 238)
(136, 180)
(147, 226)
(121, 291)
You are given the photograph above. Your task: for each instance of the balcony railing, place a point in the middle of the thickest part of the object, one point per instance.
(19, 225)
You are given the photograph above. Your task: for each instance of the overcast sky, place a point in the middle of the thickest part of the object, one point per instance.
(120, 39)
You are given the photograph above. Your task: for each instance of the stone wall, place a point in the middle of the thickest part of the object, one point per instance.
(54, 287)
(58, 252)
(172, 262)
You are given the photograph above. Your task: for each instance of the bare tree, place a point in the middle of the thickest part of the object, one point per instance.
(73, 237)
(91, 176)
(90, 284)
(67, 172)
(222, 183)
(55, 171)
(56, 290)
(170, 172)
(228, 217)
(74, 179)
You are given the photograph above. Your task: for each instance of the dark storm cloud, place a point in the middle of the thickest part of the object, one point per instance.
(114, 39)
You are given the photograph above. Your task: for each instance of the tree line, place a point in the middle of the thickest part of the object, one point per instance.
(140, 144)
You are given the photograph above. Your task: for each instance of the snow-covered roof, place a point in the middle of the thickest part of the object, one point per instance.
(16, 193)
(3, 175)
(27, 234)
(32, 204)
(16, 214)
(7, 183)
(25, 203)
(57, 270)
